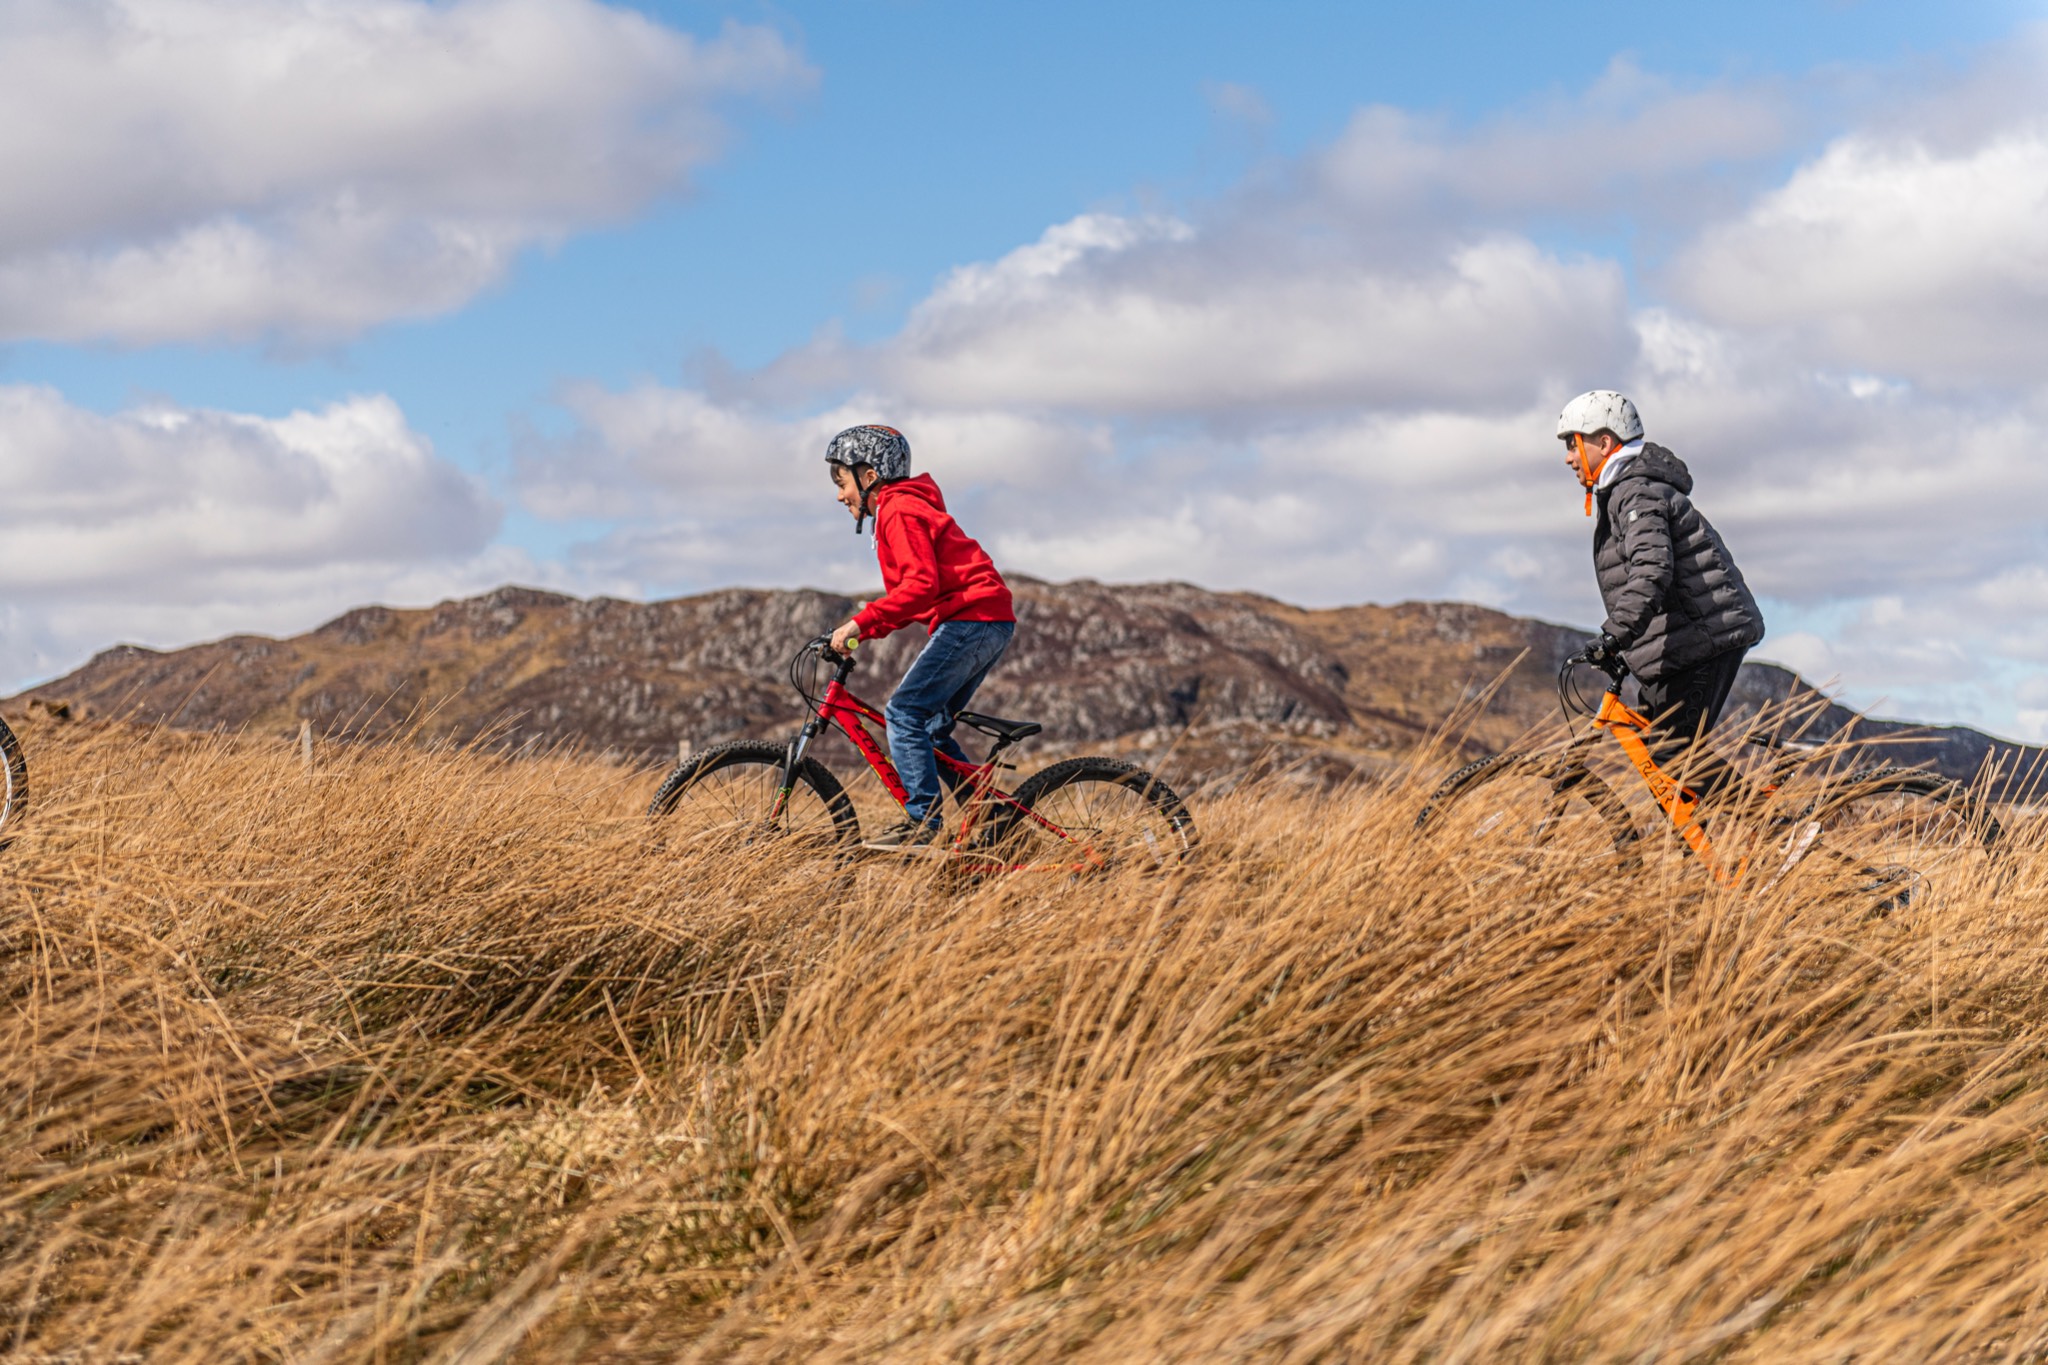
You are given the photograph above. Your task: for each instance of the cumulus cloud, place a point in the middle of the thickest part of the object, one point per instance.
(1148, 317)
(1161, 325)
(238, 168)
(1890, 255)
(163, 524)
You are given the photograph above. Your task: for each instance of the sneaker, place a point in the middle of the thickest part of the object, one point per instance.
(905, 836)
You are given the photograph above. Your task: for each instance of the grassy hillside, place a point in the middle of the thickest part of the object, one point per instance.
(431, 1056)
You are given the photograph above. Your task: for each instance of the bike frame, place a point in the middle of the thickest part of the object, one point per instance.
(1629, 726)
(839, 707)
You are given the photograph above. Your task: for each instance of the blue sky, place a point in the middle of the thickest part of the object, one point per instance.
(303, 305)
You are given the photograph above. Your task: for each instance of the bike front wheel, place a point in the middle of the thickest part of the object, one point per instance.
(1528, 801)
(1097, 814)
(13, 784)
(729, 795)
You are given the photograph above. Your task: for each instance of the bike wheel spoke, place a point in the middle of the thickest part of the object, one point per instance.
(1090, 825)
(1523, 812)
(736, 805)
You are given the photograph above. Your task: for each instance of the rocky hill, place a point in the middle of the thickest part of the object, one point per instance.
(1222, 680)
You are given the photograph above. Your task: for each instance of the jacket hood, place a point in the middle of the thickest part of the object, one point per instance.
(924, 490)
(1659, 465)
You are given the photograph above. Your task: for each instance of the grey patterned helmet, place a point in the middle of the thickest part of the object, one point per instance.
(882, 449)
(1598, 411)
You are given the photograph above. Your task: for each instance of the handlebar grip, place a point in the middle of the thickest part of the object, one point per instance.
(823, 644)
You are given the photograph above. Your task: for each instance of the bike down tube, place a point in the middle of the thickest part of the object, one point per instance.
(847, 711)
(1627, 726)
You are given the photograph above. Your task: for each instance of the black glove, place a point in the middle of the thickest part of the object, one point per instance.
(1604, 652)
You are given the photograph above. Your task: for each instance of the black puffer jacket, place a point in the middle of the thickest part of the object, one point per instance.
(1674, 597)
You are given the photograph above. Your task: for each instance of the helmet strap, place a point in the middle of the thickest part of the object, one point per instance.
(867, 495)
(1589, 473)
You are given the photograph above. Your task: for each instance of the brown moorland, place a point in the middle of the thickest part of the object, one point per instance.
(430, 1054)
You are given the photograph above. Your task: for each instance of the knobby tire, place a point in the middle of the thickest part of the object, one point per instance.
(1567, 782)
(695, 772)
(1891, 780)
(1176, 839)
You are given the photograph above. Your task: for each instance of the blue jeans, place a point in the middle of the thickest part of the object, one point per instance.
(940, 682)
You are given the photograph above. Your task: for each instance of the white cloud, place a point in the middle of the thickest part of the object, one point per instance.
(164, 524)
(238, 168)
(1158, 325)
(1893, 256)
(1150, 317)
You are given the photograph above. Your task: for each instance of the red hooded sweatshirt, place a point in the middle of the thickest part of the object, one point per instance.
(931, 570)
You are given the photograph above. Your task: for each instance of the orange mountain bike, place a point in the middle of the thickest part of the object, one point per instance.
(1911, 819)
(1079, 815)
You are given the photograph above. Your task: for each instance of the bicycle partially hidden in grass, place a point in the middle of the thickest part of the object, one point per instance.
(13, 783)
(1912, 821)
(1079, 815)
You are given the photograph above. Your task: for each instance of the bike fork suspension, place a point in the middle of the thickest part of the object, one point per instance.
(791, 761)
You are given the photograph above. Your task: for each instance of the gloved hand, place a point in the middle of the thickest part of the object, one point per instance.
(1603, 652)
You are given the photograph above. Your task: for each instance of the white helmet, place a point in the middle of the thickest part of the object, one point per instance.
(1600, 410)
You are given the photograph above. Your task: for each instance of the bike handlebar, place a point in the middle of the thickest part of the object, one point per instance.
(1569, 699)
(823, 644)
(1614, 666)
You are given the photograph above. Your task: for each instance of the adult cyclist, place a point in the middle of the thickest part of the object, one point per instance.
(1678, 613)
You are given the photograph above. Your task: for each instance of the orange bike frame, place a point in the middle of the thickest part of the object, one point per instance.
(1679, 805)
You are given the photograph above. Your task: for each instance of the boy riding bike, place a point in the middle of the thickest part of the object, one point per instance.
(1678, 612)
(934, 573)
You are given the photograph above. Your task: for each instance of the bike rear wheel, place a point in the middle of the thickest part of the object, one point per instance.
(1097, 814)
(727, 795)
(1528, 801)
(13, 783)
(1902, 830)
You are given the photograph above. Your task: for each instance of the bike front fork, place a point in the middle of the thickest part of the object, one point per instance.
(792, 759)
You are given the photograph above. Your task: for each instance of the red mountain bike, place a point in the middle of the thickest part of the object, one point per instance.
(1083, 814)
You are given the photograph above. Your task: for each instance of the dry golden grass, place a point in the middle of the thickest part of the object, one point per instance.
(430, 1056)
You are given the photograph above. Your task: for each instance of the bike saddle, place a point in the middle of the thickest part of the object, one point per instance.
(1008, 731)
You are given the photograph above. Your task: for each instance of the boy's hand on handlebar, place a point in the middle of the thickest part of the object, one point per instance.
(844, 638)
